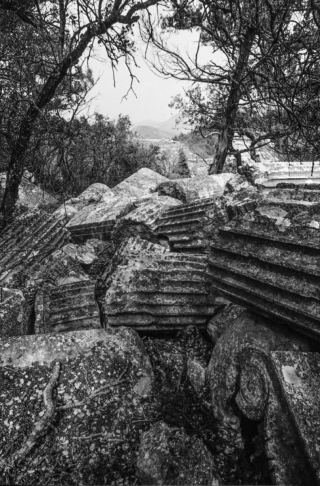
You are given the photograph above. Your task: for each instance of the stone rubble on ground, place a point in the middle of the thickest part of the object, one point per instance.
(219, 255)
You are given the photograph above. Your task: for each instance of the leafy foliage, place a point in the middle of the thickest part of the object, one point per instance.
(89, 151)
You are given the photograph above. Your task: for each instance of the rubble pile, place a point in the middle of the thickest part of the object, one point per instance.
(164, 331)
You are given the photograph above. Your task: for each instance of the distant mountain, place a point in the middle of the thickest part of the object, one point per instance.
(146, 131)
(154, 129)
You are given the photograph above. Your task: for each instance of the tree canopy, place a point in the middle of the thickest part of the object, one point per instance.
(261, 78)
(52, 38)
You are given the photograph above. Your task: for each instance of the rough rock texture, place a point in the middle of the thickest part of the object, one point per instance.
(168, 456)
(268, 260)
(241, 374)
(70, 306)
(90, 435)
(185, 226)
(92, 195)
(142, 220)
(97, 221)
(15, 313)
(201, 187)
(223, 320)
(30, 195)
(191, 227)
(26, 242)
(157, 290)
(139, 184)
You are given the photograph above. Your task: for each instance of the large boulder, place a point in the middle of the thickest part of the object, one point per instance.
(167, 455)
(68, 401)
(200, 187)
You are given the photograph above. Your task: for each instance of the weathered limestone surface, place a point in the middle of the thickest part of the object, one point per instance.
(268, 261)
(185, 226)
(97, 221)
(15, 313)
(27, 241)
(142, 220)
(92, 195)
(167, 455)
(222, 321)
(70, 306)
(148, 288)
(142, 182)
(191, 227)
(201, 187)
(242, 371)
(94, 402)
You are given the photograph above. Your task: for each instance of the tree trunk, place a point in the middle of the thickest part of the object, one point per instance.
(20, 147)
(227, 133)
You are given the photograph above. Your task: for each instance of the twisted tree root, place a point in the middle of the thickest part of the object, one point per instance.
(40, 427)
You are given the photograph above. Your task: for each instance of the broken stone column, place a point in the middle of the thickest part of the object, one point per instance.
(151, 289)
(253, 369)
(98, 220)
(26, 242)
(142, 220)
(268, 261)
(199, 187)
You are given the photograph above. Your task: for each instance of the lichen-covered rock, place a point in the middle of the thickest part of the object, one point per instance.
(15, 313)
(139, 184)
(200, 187)
(92, 195)
(167, 455)
(69, 306)
(196, 374)
(98, 220)
(149, 288)
(223, 320)
(25, 243)
(142, 220)
(189, 227)
(85, 431)
(268, 260)
(239, 376)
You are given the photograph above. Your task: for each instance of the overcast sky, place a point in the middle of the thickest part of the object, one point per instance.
(153, 92)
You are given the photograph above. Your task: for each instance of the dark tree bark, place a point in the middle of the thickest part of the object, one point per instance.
(227, 132)
(20, 146)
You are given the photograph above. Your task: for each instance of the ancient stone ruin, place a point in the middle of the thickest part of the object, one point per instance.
(164, 332)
